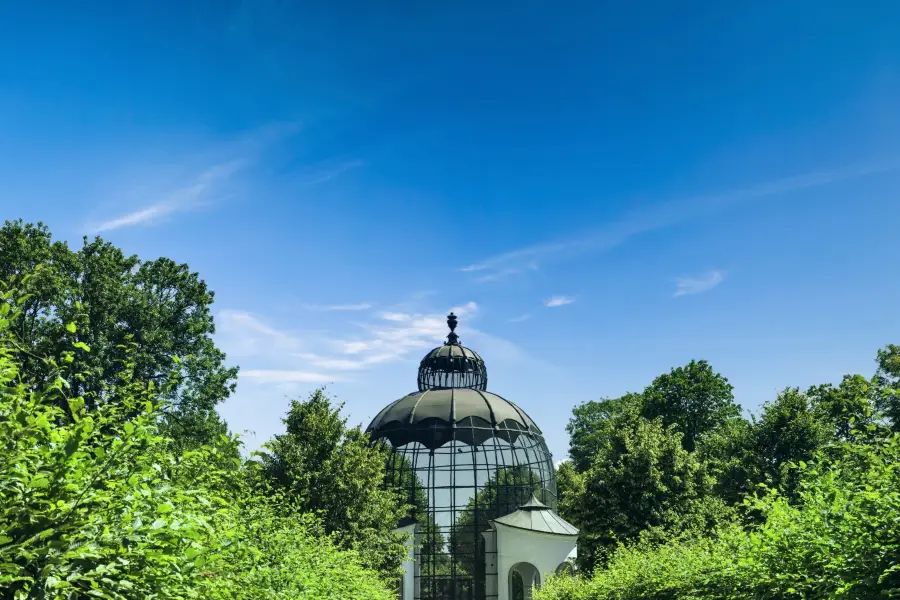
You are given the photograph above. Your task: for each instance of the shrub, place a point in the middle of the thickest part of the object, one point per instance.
(841, 539)
(96, 504)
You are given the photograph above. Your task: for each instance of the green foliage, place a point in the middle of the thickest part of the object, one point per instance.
(96, 503)
(96, 305)
(634, 473)
(641, 482)
(87, 506)
(887, 380)
(694, 398)
(592, 424)
(839, 539)
(328, 468)
(273, 551)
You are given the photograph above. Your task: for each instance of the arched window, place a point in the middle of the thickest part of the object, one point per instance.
(516, 586)
(523, 578)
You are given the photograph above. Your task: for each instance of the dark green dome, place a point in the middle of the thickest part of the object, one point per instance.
(434, 417)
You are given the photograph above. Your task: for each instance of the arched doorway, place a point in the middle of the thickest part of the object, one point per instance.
(523, 578)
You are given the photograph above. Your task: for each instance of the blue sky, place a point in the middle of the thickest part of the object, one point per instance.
(603, 190)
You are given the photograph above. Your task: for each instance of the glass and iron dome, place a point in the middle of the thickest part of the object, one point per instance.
(452, 365)
(461, 456)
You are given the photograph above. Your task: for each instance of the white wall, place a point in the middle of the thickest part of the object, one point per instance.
(409, 565)
(542, 550)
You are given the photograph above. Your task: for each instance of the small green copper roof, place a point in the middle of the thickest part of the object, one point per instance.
(536, 516)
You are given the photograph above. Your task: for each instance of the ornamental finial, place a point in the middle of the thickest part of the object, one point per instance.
(452, 338)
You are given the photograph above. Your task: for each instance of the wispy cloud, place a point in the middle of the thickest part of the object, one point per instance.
(187, 196)
(347, 364)
(287, 376)
(658, 217)
(505, 273)
(685, 286)
(244, 334)
(393, 316)
(520, 318)
(321, 173)
(197, 180)
(555, 301)
(340, 307)
(282, 357)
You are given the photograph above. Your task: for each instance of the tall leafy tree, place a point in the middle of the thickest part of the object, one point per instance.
(592, 424)
(641, 481)
(694, 398)
(790, 430)
(330, 469)
(732, 457)
(887, 379)
(100, 505)
(110, 304)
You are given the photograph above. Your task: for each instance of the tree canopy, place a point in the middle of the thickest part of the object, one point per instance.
(108, 304)
(330, 469)
(95, 502)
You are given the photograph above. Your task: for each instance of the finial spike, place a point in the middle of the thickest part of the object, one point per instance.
(452, 338)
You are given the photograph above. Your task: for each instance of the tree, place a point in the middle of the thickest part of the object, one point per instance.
(100, 505)
(733, 460)
(592, 424)
(568, 484)
(887, 379)
(790, 430)
(840, 538)
(641, 482)
(694, 398)
(112, 304)
(330, 469)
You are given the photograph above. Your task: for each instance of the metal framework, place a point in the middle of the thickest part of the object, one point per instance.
(461, 458)
(452, 365)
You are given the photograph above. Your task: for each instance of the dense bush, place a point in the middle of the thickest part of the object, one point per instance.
(839, 539)
(97, 504)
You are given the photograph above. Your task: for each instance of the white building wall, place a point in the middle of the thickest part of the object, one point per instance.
(407, 591)
(544, 551)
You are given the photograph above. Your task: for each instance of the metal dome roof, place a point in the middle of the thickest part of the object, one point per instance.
(431, 417)
(452, 365)
(452, 351)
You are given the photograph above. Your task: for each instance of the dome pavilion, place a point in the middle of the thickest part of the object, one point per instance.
(477, 472)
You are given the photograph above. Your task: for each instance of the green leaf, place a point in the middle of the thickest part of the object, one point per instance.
(82, 346)
(165, 508)
(70, 327)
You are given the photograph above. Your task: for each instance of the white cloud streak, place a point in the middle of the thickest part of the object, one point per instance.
(281, 357)
(287, 376)
(245, 334)
(203, 187)
(520, 318)
(555, 301)
(658, 217)
(340, 307)
(686, 286)
(193, 193)
(327, 174)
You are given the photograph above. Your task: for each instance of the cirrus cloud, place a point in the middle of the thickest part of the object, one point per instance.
(686, 286)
